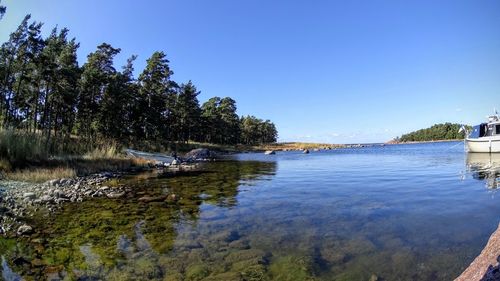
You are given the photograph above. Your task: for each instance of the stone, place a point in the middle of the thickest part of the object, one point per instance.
(148, 199)
(24, 230)
(199, 154)
(115, 195)
(305, 151)
(486, 266)
(172, 197)
(269, 152)
(175, 162)
(29, 195)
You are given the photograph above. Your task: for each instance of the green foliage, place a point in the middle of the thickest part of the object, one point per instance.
(255, 131)
(2, 11)
(43, 91)
(446, 131)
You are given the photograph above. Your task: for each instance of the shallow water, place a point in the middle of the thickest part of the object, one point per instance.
(402, 212)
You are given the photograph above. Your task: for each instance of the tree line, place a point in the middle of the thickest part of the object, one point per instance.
(445, 131)
(43, 89)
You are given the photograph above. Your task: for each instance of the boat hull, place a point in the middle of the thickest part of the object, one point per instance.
(484, 145)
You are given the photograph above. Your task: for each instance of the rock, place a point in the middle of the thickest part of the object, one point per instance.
(172, 197)
(148, 199)
(175, 162)
(374, 278)
(270, 152)
(199, 154)
(486, 266)
(29, 195)
(115, 195)
(24, 230)
(305, 151)
(53, 182)
(46, 198)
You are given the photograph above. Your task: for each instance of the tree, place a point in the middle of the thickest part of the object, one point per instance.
(117, 104)
(98, 73)
(2, 11)
(255, 131)
(44, 90)
(222, 124)
(9, 65)
(155, 88)
(187, 112)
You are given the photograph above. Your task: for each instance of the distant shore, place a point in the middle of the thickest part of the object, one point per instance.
(416, 142)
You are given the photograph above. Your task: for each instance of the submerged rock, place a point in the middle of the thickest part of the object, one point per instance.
(148, 199)
(24, 230)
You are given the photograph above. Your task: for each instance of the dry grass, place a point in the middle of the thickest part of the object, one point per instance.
(38, 175)
(75, 167)
(104, 151)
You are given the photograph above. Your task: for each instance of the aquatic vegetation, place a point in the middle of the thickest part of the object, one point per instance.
(234, 221)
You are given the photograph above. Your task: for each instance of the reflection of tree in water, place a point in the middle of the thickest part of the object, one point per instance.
(485, 166)
(105, 238)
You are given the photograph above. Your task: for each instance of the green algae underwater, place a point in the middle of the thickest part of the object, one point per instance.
(279, 218)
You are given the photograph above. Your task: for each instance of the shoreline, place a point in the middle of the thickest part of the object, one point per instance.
(418, 142)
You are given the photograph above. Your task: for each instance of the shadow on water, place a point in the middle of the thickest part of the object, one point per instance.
(485, 167)
(128, 239)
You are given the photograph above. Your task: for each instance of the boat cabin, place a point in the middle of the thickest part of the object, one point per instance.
(492, 128)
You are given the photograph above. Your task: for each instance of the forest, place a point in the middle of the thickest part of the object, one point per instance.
(44, 91)
(445, 131)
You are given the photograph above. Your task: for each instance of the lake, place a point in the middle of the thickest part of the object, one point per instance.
(395, 212)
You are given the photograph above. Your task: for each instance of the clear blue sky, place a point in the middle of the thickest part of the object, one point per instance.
(330, 71)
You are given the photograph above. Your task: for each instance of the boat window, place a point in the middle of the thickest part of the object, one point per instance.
(497, 130)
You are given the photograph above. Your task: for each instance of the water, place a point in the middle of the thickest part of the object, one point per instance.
(402, 212)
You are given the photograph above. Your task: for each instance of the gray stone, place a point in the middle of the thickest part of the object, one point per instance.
(199, 154)
(24, 230)
(115, 195)
(29, 195)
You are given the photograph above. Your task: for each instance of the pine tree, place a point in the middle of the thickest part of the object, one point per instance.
(98, 72)
(187, 112)
(155, 88)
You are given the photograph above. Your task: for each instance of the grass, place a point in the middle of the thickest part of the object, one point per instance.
(26, 157)
(41, 174)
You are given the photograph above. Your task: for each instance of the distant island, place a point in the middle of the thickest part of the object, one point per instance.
(438, 132)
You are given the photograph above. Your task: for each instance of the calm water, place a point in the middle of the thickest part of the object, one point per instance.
(404, 212)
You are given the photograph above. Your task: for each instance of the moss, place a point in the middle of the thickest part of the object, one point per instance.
(197, 272)
(290, 268)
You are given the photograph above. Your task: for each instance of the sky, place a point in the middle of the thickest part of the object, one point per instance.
(322, 71)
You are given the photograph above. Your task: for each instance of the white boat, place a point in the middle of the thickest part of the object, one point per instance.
(485, 137)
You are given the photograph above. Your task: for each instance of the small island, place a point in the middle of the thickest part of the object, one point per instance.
(438, 132)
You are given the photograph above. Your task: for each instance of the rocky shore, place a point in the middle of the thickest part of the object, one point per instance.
(21, 201)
